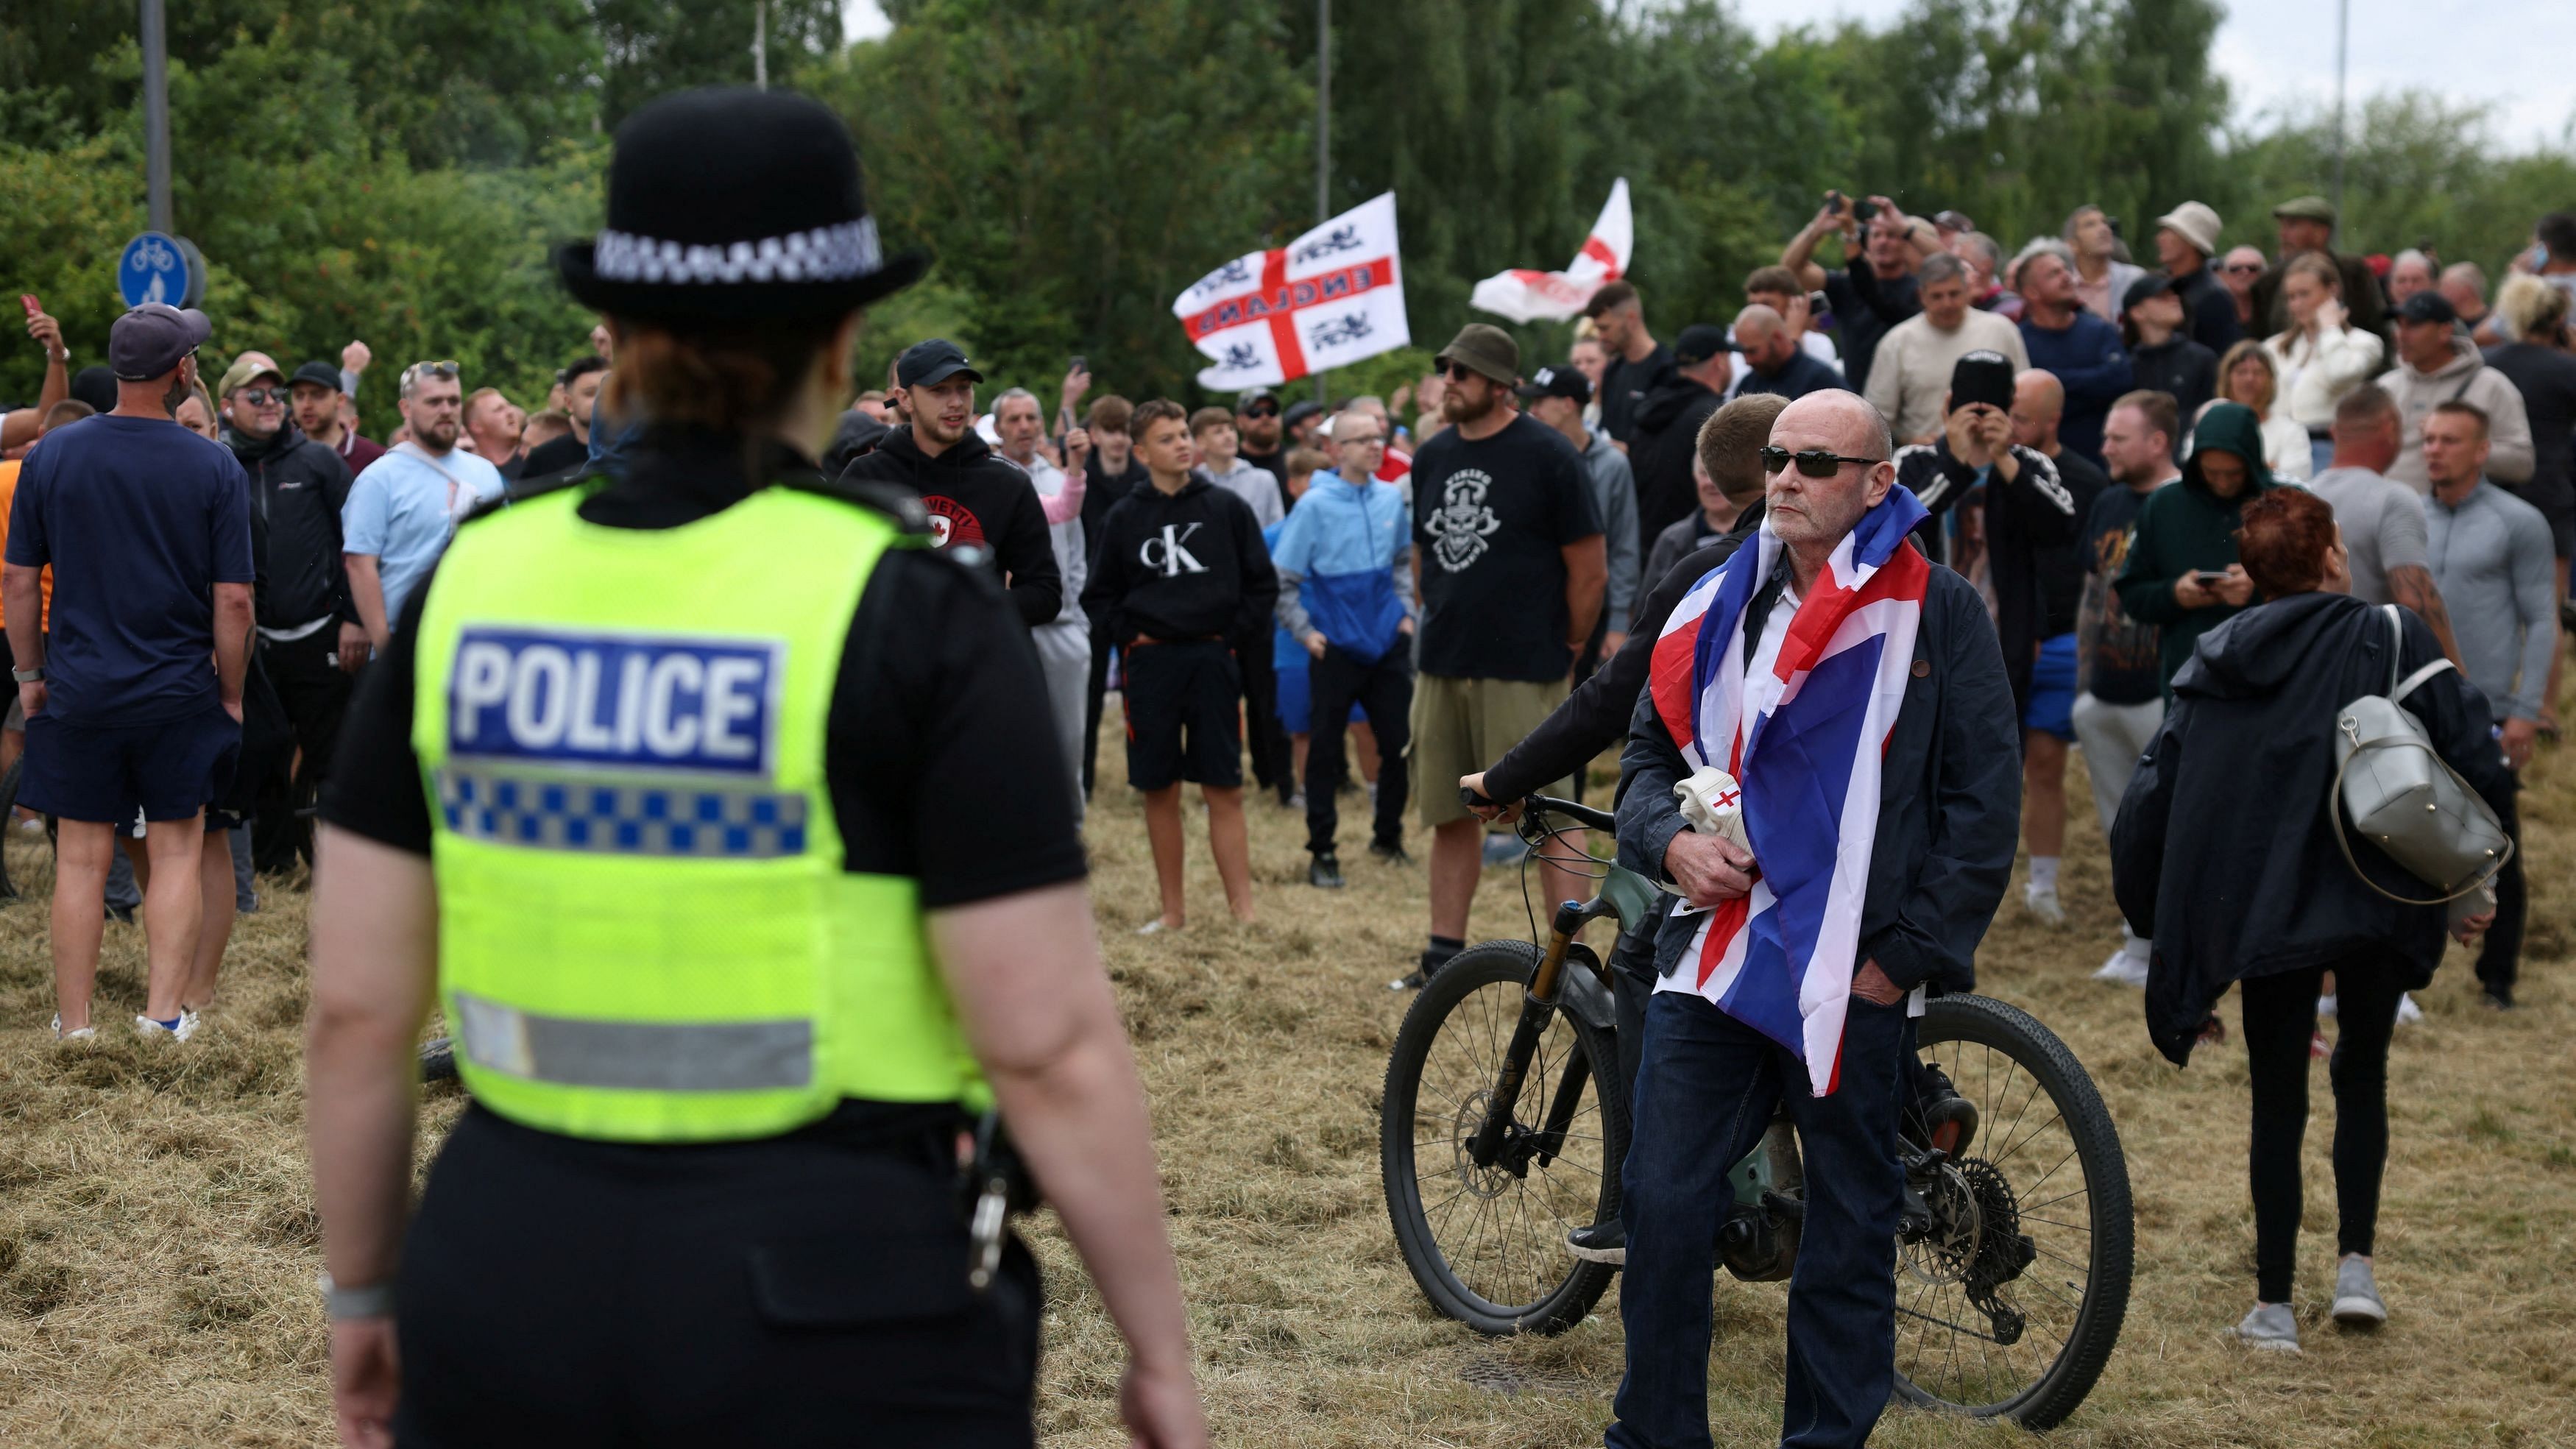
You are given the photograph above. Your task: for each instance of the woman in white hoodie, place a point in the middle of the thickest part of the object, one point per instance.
(2322, 356)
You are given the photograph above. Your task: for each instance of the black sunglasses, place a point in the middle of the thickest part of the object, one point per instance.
(259, 397)
(1262, 410)
(1459, 372)
(1814, 462)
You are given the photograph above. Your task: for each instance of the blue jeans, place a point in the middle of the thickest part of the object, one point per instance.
(1706, 1089)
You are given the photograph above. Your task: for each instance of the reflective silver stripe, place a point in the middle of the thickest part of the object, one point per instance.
(733, 1056)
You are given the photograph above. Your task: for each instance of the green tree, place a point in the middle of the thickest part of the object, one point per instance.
(652, 47)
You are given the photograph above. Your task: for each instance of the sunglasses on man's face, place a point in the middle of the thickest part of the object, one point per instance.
(1814, 462)
(1262, 410)
(260, 397)
(2242, 267)
(1459, 372)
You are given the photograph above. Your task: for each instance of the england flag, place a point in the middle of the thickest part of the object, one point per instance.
(1802, 725)
(1530, 296)
(1328, 299)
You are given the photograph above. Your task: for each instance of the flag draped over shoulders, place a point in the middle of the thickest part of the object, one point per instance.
(1802, 724)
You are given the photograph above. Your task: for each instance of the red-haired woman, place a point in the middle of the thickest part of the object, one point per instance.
(2223, 842)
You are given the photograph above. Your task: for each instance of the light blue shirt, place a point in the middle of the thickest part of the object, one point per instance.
(405, 508)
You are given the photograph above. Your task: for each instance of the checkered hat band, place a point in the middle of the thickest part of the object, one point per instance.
(825, 254)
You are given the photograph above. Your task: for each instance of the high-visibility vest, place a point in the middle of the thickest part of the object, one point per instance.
(645, 930)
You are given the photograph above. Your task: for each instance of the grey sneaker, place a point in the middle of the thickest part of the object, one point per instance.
(2270, 1326)
(2356, 1300)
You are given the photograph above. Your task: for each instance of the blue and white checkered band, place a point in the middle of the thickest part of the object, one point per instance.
(628, 744)
(557, 814)
(826, 254)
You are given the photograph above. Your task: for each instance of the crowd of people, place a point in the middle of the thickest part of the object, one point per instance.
(1387, 599)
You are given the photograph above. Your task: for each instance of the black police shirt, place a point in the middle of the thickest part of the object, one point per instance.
(938, 749)
(1491, 519)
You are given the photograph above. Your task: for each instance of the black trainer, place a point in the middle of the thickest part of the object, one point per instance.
(1603, 1242)
(1948, 1118)
(1325, 873)
(1392, 852)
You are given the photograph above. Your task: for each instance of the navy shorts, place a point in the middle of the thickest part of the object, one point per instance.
(104, 773)
(1183, 715)
(2052, 689)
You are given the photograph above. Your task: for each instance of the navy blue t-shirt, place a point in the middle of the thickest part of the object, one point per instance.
(140, 519)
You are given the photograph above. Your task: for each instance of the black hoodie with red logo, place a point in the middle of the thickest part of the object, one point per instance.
(977, 500)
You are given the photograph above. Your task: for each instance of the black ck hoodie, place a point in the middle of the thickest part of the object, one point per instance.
(978, 501)
(1186, 565)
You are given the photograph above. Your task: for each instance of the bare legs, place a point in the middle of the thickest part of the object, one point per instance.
(2043, 793)
(1228, 841)
(81, 850)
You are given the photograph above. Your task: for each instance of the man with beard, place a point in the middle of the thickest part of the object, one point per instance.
(402, 511)
(1638, 364)
(319, 414)
(310, 640)
(976, 500)
(1264, 446)
(1512, 568)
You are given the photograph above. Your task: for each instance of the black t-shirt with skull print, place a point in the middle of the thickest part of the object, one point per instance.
(1491, 520)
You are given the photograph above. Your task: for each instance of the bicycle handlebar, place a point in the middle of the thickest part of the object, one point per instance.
(1548, 805)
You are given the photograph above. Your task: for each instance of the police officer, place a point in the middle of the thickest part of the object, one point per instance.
(724, 819)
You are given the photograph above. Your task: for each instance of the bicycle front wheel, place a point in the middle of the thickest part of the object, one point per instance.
(1487, 1243)
(2009, 1306)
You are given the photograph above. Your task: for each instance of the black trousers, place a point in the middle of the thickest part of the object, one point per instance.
(1383, 689)
(2500, 954)
(1272, 764)
(1094, 691)
(788, 1292)
(315, 695)
(2280, 1018)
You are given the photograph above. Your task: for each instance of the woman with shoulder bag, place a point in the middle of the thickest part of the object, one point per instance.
(2225, 842)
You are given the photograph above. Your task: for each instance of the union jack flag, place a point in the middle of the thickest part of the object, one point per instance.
(1801, 725)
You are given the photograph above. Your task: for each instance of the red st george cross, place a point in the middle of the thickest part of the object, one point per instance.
(1279, 300)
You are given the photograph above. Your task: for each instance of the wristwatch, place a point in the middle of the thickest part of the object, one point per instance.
(29, 676)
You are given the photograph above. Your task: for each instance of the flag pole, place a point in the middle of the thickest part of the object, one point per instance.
(1323, 139)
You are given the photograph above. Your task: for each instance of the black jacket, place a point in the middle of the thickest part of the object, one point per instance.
(297, 488)
(1595, 716)
(1949, 802)
(977, 500)
(2181, 367)
(2025, 518)
(1186, 565)
(1660, 449)
(2209, 312)
(2222, 847)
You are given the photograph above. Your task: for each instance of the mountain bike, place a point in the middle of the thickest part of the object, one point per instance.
(1504, 1128)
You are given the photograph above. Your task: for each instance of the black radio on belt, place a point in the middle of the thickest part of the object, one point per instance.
(996, 1184)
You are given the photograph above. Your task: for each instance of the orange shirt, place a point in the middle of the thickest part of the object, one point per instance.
(44, 580)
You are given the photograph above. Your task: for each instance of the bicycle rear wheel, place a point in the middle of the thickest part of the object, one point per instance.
(1487, 1244)
(2009, 1308)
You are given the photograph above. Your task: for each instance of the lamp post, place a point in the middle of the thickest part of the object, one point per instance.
(156, 115)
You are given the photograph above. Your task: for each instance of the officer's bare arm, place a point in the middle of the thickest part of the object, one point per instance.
(1026, 976)
(375, 950)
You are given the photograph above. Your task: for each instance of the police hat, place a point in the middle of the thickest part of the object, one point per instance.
(731, 204)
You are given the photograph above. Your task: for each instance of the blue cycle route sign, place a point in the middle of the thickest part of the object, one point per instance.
(154, 268)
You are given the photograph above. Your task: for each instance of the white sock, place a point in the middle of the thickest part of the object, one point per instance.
(2043, 873)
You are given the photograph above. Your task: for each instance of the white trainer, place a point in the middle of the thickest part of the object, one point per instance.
(2044, 904)
(86, 1033)
(2408, 1013)
(150, 1030)
(2123, 969)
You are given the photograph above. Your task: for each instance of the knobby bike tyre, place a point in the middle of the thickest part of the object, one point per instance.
(1487, 1246)
(2040, 1117)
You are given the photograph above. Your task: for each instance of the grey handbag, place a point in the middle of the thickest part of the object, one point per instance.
(2404, 797)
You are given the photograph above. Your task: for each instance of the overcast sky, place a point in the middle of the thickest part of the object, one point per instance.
(2520, 54)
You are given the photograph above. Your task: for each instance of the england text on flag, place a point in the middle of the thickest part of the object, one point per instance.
(1327, 299)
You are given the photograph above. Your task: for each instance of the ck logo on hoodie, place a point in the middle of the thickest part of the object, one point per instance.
(1171, 544)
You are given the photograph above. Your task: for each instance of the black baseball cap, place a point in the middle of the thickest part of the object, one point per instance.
(319, 372)
(1563, 380)
(1298, 411)
(927, 364)
(2428, 306)
(1701, 341)
(153, 338)
(2153, 284)
(1982, 377)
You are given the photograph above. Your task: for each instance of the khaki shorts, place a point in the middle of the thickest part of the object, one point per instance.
(1460, 726)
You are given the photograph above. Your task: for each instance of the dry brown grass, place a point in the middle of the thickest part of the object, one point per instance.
(158, 1251)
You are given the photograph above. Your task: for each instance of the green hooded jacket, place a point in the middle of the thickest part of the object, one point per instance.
(2184, 528)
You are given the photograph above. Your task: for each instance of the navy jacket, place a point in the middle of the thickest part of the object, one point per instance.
(1949, 802)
